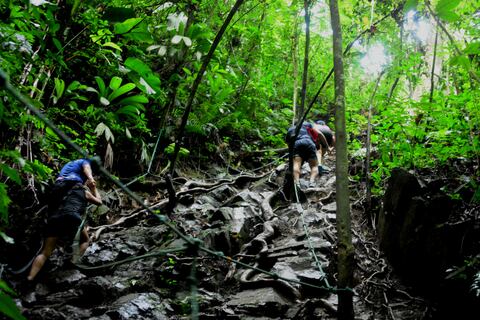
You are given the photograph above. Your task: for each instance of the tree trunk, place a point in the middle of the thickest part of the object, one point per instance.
(368, 179)
(301, 109)
(344, 233)
(295, 69)
(198, 79)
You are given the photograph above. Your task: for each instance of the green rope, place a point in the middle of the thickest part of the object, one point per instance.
(194, 289)
(274, 275)
(300, 209)
(4, 82)
(131, 259)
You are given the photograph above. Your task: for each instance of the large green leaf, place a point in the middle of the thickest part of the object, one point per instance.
(133, 100)
(101, 86)
(150, 84)
(59, 89)
(472, 48)
(444, 9)
(112, 45)
(104, 129)
(4, 202)
(127, 25)
(11, 173)
(138, 66)
(4, 287)
(140, 34)
(9, 308)
(129, 111)
(115, 83)
(122, 90)
(461, 61)
(410, 5)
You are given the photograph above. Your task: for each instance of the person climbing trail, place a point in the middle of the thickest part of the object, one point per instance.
(326, 143)
(73, 189)
(306, 148)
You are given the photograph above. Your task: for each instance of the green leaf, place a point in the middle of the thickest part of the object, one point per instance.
(11, 173)
(140, 34)
(4, 202)
(460, 61)
(4, 287)
(101, 86)
(112, 45)
(115, 83)
(176, 39)
(129, 111)
(133, 100)
(446, 5)
(57, 44)
(472, 48)
(9, 308)
(100, 129)
(59, 89)
(150, 84)
(410, 5)
(444, 9)
(127, 25)
(104, 101)
(449, 16)
(138, 66)
(122, 90)
(7, 239)
(476, 196)
(73, 86)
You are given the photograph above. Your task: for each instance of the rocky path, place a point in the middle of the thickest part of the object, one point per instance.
(249, 220)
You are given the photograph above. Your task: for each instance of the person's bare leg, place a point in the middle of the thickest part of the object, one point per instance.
(313, 170)
(297, 166)
(84, 241)
(40, 260)
(320, 154)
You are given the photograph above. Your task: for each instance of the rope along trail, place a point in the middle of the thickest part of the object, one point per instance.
(194, 245)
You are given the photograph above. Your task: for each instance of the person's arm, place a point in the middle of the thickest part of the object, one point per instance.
(321, 139)
(93, 196)
(330, 148)
(87, 170)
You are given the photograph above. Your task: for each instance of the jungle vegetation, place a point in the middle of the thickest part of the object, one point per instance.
(117, 76)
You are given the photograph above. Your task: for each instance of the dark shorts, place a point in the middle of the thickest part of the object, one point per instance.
(64, 226)
(305, 149)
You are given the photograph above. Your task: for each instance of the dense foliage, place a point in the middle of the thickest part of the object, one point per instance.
(116, 75)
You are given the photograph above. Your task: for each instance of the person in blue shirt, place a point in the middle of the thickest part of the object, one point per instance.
(73, 189)
(78, 171)
(305, 149)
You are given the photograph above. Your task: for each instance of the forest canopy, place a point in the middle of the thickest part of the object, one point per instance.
(116, 77)
(137, 82)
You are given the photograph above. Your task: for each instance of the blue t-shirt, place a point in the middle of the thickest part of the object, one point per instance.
(73, 171)
(302, 134)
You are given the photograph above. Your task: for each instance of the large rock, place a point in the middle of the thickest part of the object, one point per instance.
(412, 230)
(141, 306)
(259, 302)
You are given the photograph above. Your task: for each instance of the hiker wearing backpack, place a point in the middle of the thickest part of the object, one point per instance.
(326, 142)
(304, 149)
(73, 189)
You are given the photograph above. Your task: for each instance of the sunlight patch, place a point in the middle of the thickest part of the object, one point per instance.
(419, 28)
(375, 60)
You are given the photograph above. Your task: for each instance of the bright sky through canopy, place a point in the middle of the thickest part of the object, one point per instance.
(419, 27)
(374, 60)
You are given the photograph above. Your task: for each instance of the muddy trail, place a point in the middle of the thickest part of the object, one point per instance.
(137, 268)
